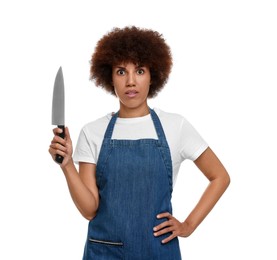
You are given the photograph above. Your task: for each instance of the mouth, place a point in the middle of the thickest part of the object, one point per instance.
(131, 93)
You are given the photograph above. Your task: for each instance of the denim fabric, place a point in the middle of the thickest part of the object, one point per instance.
(134, 178)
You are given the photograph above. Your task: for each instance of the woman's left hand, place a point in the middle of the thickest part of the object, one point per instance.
(171, 225)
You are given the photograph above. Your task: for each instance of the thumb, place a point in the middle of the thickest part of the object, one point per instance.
(67, 134)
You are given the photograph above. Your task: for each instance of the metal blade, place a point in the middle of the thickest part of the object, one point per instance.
(58, 100)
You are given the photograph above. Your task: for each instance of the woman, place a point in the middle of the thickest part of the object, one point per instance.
(129, 160)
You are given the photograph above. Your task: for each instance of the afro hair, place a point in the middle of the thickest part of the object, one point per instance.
(131, 44)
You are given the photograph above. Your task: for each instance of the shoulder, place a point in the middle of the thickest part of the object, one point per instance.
(169, 118)
(176, 124)
(96, 127)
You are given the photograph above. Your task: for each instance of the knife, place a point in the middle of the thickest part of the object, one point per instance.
(58, 107)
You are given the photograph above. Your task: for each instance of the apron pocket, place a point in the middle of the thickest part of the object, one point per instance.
(102, 242)
(103, 249)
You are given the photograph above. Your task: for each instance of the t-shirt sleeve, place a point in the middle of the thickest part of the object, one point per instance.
(85, 150)
(192, 143)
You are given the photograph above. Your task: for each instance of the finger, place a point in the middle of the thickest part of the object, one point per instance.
(58, 146)
(58, 139)
(165, 223)
(57, 130)
(169, 238)
(54, 152)
(67, 134)
(57, 149)
(164, 215)
(59, 152)
(164, 231)
(51, 151)
(161, 226)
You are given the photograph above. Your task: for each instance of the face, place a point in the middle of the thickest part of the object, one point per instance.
(131, 84)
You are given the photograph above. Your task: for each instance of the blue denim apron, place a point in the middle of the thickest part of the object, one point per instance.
(134, 179)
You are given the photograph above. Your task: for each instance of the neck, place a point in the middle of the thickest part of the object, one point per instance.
(128, 112)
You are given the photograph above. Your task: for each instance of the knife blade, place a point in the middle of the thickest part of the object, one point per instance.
(58, 106)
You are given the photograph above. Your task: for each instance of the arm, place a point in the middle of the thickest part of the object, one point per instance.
(212, 168)
(82, 185)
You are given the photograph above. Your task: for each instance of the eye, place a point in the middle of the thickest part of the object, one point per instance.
(120, 72)
(140, 71)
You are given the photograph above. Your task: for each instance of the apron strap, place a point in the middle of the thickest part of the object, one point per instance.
(158, 126)
(109, 130)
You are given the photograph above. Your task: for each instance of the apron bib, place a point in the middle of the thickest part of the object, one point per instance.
(134, 178)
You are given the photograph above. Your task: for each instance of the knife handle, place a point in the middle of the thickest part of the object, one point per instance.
(59, 158)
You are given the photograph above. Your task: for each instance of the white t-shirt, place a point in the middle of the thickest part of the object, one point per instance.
(183, 140)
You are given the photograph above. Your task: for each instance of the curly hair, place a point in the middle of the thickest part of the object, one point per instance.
(131, 44)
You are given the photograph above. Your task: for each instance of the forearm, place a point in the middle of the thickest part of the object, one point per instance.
(84, 199)
(207, 201)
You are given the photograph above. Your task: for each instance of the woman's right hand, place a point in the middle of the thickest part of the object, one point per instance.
(61, 146)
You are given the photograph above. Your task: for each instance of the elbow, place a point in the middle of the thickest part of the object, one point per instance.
(226, 180)
(223, 180)
(89, 216)
(221, 177)
(89, 213)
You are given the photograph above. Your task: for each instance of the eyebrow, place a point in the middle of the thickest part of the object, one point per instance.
(123, 67)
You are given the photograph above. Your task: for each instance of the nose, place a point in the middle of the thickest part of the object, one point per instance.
(131, 80)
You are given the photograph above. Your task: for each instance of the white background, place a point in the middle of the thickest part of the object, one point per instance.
(224, 75)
